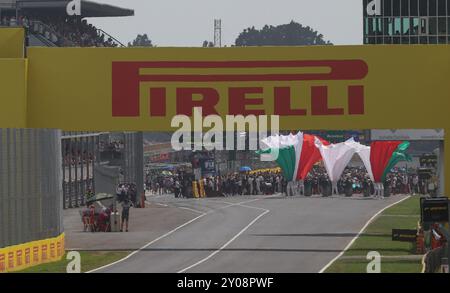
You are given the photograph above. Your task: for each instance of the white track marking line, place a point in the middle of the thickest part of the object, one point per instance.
(242, 202)
(423, 263)
(265, 211)
(225, 245)
(229, 204)
(256, 208)
(161, 237)
(359, 233)
(192, 210)
(146, 245)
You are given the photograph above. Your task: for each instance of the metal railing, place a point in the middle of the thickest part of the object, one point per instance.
(37, 26)
(41, 29)
(109, 37)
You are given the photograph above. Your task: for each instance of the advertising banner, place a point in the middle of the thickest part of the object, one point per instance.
(13, 93)
(208, 167)
(313, 88)
(23, 256)
(12, 42)
(407, 134)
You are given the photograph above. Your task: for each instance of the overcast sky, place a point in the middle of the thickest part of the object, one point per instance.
(190, 22)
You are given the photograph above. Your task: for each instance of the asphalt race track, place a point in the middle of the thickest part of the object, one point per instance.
(254, 235)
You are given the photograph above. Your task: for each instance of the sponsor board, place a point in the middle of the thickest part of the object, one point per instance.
(404, 235)
(23, 256)
(13, 93)
(12, 42)
(434, 209)
(313, 88)
(407, 134)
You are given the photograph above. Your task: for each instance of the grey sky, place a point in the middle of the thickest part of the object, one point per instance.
(190, 22)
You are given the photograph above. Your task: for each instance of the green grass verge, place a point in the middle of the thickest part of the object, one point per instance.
(387, 266)
(89, 260)
(377, 237)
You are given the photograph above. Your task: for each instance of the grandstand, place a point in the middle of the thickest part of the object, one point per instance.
(47, 23)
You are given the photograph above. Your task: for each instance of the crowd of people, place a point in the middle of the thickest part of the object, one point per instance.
(63, 31)
(355, 180)
(179, 184)
(127, 191)
(116, 146)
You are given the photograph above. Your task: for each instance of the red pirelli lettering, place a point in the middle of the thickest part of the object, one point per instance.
(126, 79)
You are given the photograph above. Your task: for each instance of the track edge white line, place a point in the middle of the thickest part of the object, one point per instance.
(360, 232)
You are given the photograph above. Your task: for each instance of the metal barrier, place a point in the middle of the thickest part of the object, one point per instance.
(133, 160)
(433, 260)
(112, 39)
(79, 153)
(30, 185)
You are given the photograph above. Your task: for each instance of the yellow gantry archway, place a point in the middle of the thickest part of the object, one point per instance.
(328, 88)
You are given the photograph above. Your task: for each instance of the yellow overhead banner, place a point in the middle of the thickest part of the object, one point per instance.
(330, 87)
(13, 93)
(12, 42)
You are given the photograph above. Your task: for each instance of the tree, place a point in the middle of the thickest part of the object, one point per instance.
(207, 44)
(141, 41)
(291, 34)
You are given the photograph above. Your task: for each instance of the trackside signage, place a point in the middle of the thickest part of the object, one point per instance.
(323, 88)
(127, 78)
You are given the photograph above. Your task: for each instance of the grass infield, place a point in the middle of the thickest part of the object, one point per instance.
(89, 260)
(397, 257)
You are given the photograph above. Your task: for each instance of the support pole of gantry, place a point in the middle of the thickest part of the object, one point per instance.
(441, 169)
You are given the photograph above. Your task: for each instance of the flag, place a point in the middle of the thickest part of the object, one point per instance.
(380, 154)
(297, 153)
(336, 157)
(399, 155)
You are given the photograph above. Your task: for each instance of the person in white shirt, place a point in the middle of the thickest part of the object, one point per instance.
(250, 183)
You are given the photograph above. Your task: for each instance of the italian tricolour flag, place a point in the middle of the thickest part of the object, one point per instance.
(296, 154)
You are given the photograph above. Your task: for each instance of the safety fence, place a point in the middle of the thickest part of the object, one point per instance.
(30, 185)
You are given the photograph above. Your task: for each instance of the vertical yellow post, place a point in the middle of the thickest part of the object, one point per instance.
(194, 189)
(202, 189)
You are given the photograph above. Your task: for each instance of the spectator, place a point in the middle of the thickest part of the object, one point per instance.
(126, 204)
